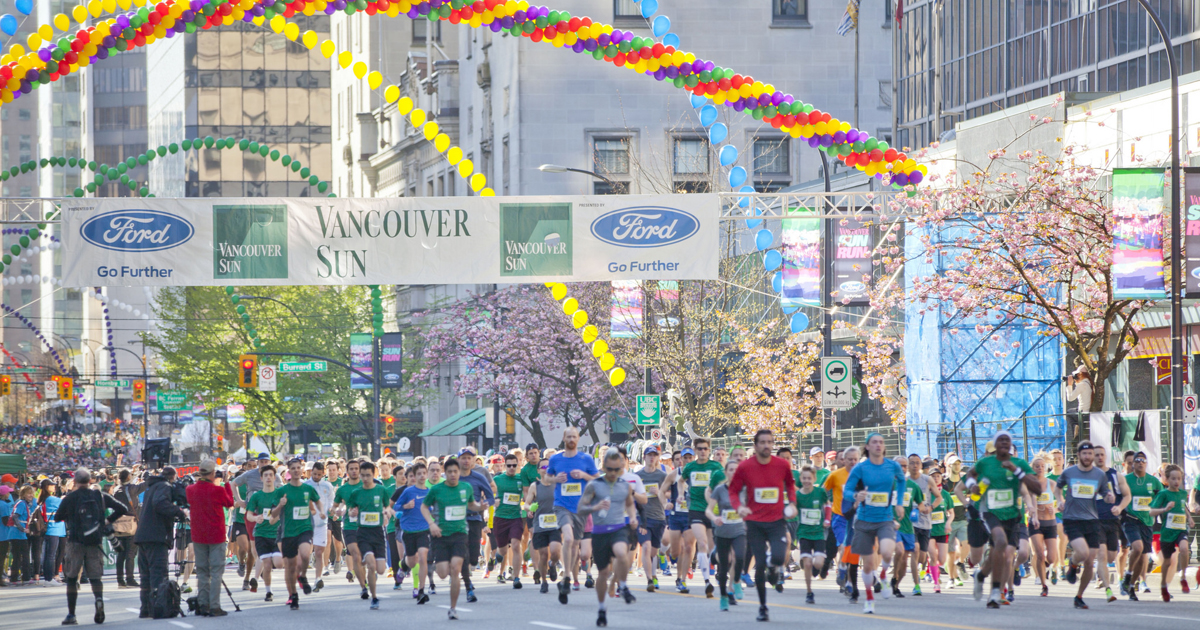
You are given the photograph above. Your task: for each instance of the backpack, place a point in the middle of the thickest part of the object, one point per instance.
(37, 521)
(165, 601)
(93, 526)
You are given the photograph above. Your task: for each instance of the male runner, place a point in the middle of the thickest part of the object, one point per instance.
(333, 551)
(350, 527)
(770, 488)
(414, 530)
(931, 500)
(266, 544)
(297, 504)
(871, 489)
(610, 502)
(1078, 487)
(810, 502)
(1138, 521)
(653, 520)
(451, 500)
(371, 508)
(1110, 519)
(243, 546)
(679, 534)
(316, 479)
(571, 470)
(507, 523)
(698, 475)
(912, 498)
(474, 476)
(530, 475)
(546, 539)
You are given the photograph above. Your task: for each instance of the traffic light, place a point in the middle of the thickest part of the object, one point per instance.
(139, 391)
(389, 427)
(5, 385)
(66, 388)
(248, 371)
(220, 443)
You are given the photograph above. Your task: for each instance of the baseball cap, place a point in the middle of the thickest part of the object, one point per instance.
(990, 447)
(653, 448)
(531, 446)
(264, 456)
(688, 451)
(831, 455)
(207, 467)
(951, 458)
(814, 451)
(466, 449)
(8, 479)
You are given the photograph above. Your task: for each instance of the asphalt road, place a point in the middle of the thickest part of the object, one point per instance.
(338, 607)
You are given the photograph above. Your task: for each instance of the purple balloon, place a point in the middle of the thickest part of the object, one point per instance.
(44, 54)
(708, 65)
(577, 46)
(814, 141)
(839, 136)
(519, 16)
(900, 179)
(495, 26)
(616, 37)
(412, 13)
(422, 8)
(915, 177)
(764, 100)
(508, 22)
(604, 39)
(660, 74)
(685, 68)
(826, 141)
(122, 22)
(777, 98)
(589, 45)
(738, 106)
(671, 71)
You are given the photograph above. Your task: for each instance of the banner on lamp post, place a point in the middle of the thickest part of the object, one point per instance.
(360, 359)
(1191, 238)
(1137, 265)
(801, 260)
(849, 265)
(391, 360)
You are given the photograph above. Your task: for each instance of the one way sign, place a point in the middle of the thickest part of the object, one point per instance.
(837, 387)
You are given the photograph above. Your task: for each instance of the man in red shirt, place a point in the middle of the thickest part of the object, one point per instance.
(208, 502)
(769, 491)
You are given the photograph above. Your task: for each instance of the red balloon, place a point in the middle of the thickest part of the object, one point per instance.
(479, 7)
(155, 18)
(901, 156)
(619, 60)
(670, 50)
(657, 50)
(585, 21)
(736, 81)
(140, 40)
(574, 24)
(71, 57)
(372, 9)
(890, 155)
(789, 120)
(455, 18)
(814, 116)
(162, 8)
(63, 66)
(54, 76)
(802, 118)
(465, 13)
(710, 88)
(644, 52)
(724, 84)
(876, 155)
(536, 35)
(5, 73)
(632, 57)
(825, 117)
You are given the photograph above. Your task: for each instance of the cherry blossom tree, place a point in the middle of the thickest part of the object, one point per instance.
(771, 385)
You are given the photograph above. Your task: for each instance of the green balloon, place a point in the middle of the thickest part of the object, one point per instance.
(78, 192)
(253, 146)
(313, 180)
(883, 145)
(93, 165)
(264, 150)
(229, 290)
(285, 160)
(131, 162)
(219, 143)
(241, 308)
(144, 191)
(91, 187)
(7, 259)
(45, 162)
(24, 241)
(296, 165)
(209, 141)
(4, 176)
(305, 172)
(186, 144)
(124, 179)
(244, 144)
(173, 148)
(275, 155)
(162, 151)
(34, 233)
(142, 160)
(323, 186)
(15, 249)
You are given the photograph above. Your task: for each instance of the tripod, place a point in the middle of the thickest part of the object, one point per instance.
(193, 603)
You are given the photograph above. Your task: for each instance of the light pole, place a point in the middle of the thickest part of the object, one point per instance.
(555, 168)
(145, 377)
(271, 299)
(1176, 249)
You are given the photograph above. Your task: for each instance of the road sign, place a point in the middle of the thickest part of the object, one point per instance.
(298, 367)
(1189, 407)
(403, 444)
(836, 383)
(50, 389)
(656, 434)
(173, 400)
(25, 370)
(649, 410)
(121, 382)
(266, 378)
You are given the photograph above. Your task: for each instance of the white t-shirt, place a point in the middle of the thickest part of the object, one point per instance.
(325, 489)
(638, 486)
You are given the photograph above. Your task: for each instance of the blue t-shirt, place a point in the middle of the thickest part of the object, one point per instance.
(411, 520)
(567, 494)
(21, 512)
(54, 529)
(880, 481)
(6, 508)
(483, 491)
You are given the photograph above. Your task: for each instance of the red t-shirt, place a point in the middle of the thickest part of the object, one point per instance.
(767, 486)
(207, 502)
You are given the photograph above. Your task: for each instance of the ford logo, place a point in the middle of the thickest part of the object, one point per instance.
(853, 287)
(1196, 272)
(136, 231)
(645, 226)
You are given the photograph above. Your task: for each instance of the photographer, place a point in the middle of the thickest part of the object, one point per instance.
(208, 502)
(83, 511)
(156, 524)
(1079, 387)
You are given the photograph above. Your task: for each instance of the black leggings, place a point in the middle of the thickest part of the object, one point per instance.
(736, 545)
(394, 554)
(758, 536)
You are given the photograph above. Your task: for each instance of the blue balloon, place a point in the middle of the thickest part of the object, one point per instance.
(661, 25)
(697, 101)
(737, 175)
(763, 239)
(708, 115)
(8, 24)
(772, 260)
(728, 155)
(649, 7)
(789, 309)
(799, 322)
(717, 133)
(744, 202)
(671, 39)
(777, 282)
(24, 7)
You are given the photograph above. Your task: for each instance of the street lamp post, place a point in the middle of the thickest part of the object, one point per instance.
(145, 377)
(555, 168)
(271, 299)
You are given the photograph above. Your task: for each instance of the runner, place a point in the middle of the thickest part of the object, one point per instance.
(912, 533)
(370, 506)
(333, 551)
(474, 476)
(872, 488)
(959, 549)
(679, 532)
(452, 500)
(317, 480)
(297, 503)
(414, 530)
(546, 539)
(811, 502)
(508, 524)
(243, 545)
(260, 510)
(1171, 504)
(1137, 522)
(610, 502)
(941, 520)
(838, 523)
(395, 484)
(350, 527)
(1045, 533)
(530, 476)
(729, 532)
(697, 476)
(1078, 487)
(769, 490)
(570, 470)
(653, 519)
(1111, 536)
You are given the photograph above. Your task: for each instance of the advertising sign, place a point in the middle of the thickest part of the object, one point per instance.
(1191, 238)
(850, 273)
(360, 359)
(1138, 233)
(801, 260)
(626, 319)
(649, 408)
(391, 359)
(172, 399)
(409, 240)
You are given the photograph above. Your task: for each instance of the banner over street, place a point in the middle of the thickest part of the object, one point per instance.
(431, 240)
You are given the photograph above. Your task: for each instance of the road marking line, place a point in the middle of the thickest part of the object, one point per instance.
(134, 610)
(181, 624)
(457, 609)
(1169, 617)
(551, 625)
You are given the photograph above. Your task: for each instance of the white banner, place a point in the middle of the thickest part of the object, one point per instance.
(431, 240)
(1102, 434)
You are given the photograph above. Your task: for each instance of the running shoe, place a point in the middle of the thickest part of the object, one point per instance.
(349, 576)
(724, 604)
(245, 585)
(365, 594)
(747, 580)
(374, 603)
(537, 576)
(423, 599)
(432, 587)
(553, 573)
(993, 604)
(1108, 594)
(627, 595)
(1166, 595)
(810, 598)
(869, 607)
(471, 599)
(916, 590)
(708, 589)
(499, 578)
(395, 587)
(1072, 577)
(241, 571)
(320, 585)
(1080, 604)
(294, 602)
(564, 589)
(1183, 584)
(269, 597)
(649, 586)
(978, 586)
(737, 590)
(99, 617)
(304, 584)
(682, 587)
(1045, 591)
(1125, 583)
(762, 614)
(253, 585)
(452, 615)
(602, 619)
(841, 577)
(70, 621)
(517, 583)
(958, 583)
(1133, 596)
(1010, 596)
(545, 586)
(588, 582)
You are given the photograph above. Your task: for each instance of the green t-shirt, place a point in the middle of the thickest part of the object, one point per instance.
(370, 504)
(297, 514)
(941, 514)
(509, 491)
(911, 499)
(698, 477)
(390, 484)
(1143, 492)
(811, 508)
(343, 496)
(1174, 522)
(262, 502)
(449, 506)
(1003, 488)
(822, 474)
(529, 474)
(239, 514)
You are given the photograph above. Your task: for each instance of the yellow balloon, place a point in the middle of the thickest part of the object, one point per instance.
(404, 105)
(599, 348)
(309, 39)
(95, 8)
(34, 40)
(441, 142)
(465, 168)
(487, 192)
(277, 23)
(845, 126)
(616, 377)
(62, 22)
(328, 48)
(391, 94)
(124, 4)
(79, 13)
(374, 80)
(344, 58)
(110, 6)
(291, 31)
(454, 155)
(430, 130)
(417, 117)
(579, 319)
(360, 69)
(478, 181)
(607, 361)
(558, 291)
(570, 305)
(590, 333)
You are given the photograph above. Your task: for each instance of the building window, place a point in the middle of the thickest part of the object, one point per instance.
(771, 157)
(611, 156)
(25, 148)
(626, 9)
(120, 118)
(606, 188)
(789, 11)
(420, 30)
(691, 156)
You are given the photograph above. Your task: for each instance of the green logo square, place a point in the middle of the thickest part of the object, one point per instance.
(250, 242)
(535, 239)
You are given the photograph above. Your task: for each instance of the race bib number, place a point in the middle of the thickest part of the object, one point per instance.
(1083, 489)
(572, 489)
(456, 512)
(700, 478)
(548, 521)
(652, 489)
(266, 515)
(241, 510)
(877, 499)
(1176, 521)
(956, 501)
(766, 495)
(299, 513)
(907, 498)
(1141, 504)
(512, 498)
(681, 506)
(810, 517)
(999, 499)
(1045, 498)
(731, 516)
(369, 519)
(937, 518)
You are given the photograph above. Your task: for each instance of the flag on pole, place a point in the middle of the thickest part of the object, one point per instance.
(849, 19)
(899, 12)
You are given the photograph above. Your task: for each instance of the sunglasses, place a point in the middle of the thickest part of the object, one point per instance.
(1139, 459)
(510, 465)
(612, 469)
(543, 467)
